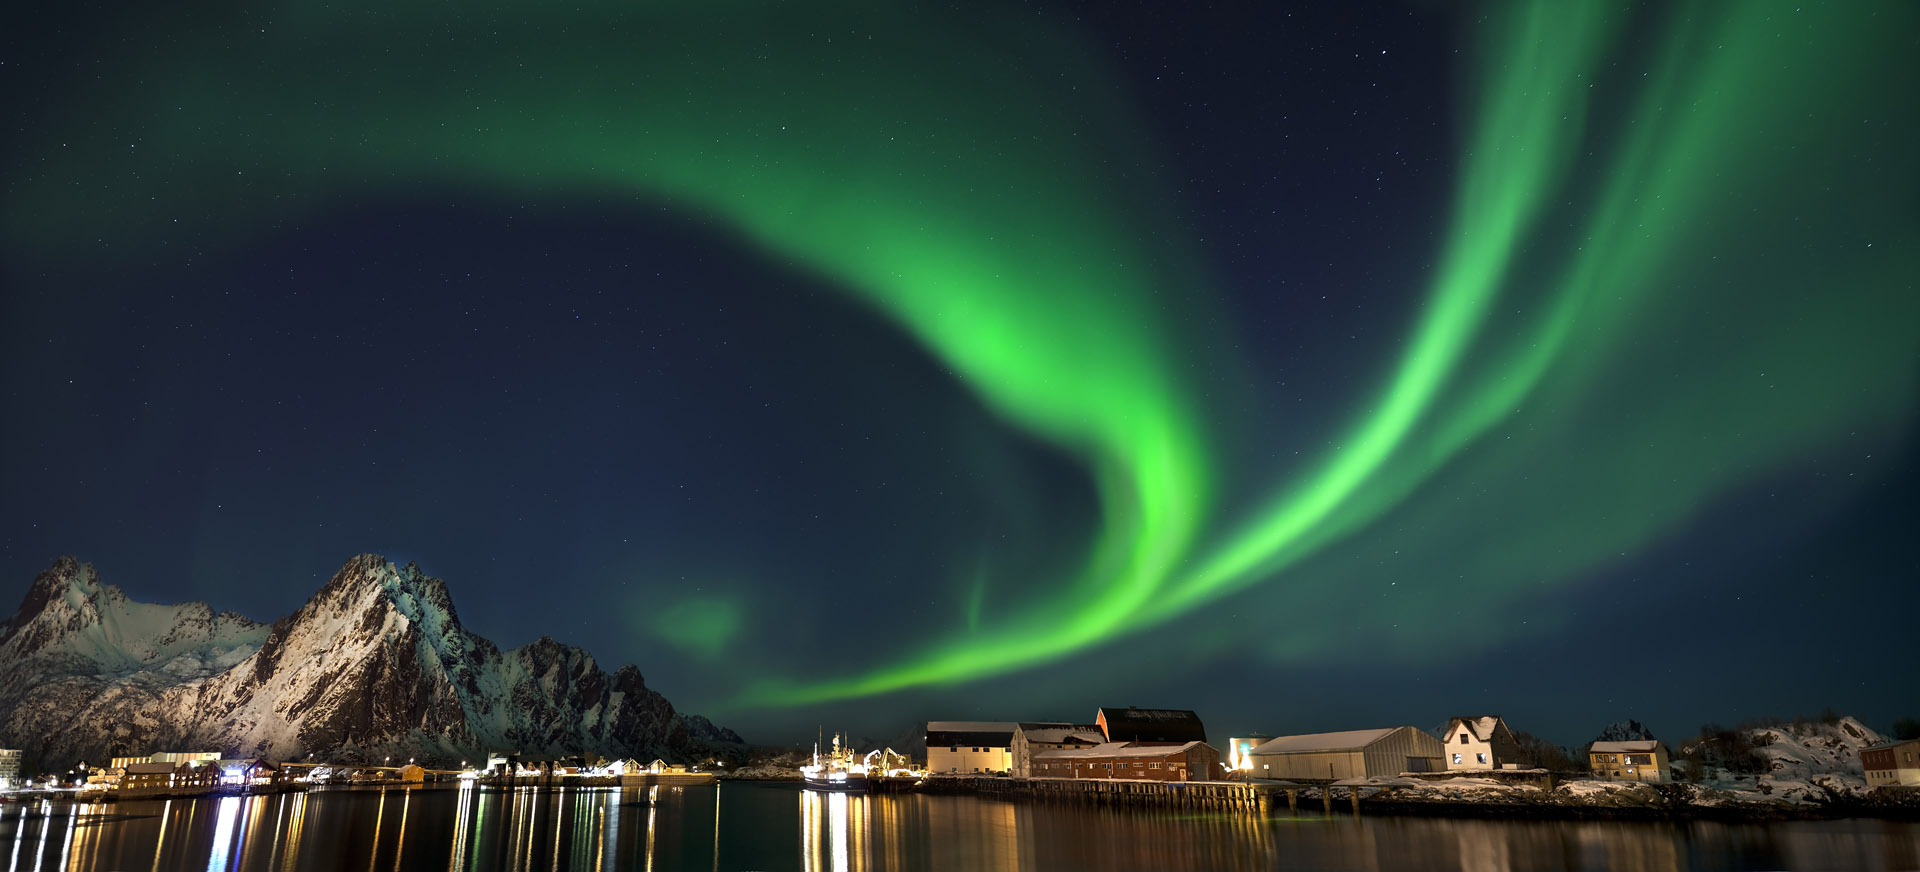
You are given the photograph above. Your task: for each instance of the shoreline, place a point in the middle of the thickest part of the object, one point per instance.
(1589, 800)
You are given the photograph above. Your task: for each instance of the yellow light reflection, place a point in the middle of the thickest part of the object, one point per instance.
(835, 832)
(400, 841)
(379, 815)
(653, 805)
(166, 817)
(296, 828)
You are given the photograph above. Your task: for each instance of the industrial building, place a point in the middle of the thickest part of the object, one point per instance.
(969, 747)
(1349, 754)
(1034, 738)
(1190, 761)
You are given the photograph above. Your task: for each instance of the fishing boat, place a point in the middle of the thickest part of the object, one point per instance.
(837, 771)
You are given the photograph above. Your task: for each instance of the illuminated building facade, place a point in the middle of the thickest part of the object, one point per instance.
(1896, 764)
(1481, 743)
(1638, 760)
(969, 747)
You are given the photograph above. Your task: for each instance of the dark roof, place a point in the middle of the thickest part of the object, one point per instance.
(982, 734)
(1152, 725)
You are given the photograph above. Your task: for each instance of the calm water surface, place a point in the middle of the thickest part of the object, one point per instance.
(779, 827)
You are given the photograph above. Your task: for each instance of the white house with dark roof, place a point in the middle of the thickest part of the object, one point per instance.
(1481, 743)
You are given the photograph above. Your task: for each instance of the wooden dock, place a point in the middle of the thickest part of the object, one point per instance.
(1261, 798)
(666, 779)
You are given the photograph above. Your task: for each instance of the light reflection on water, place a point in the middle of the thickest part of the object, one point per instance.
(778, 827)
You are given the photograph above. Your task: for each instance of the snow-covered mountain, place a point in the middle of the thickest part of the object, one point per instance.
(375, 664)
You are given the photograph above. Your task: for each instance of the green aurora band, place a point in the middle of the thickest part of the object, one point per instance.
(1614, 201)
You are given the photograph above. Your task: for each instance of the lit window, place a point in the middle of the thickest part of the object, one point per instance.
(1480, 758)
(1456, 759)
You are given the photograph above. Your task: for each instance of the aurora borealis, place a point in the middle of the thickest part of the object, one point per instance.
(856, 357)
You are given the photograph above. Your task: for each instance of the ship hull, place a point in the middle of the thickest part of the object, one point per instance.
(852, 784)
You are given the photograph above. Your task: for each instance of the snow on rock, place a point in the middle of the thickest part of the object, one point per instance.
(375, 664)
(1807, 762)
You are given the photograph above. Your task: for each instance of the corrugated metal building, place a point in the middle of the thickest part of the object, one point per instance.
(1349, 754)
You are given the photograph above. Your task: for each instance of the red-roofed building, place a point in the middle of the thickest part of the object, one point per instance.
(1190, 761)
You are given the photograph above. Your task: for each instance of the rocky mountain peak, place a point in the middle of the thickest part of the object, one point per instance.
(372, 587)
(1625, 731)
(67, 579)
(376, 663)
(72, 623)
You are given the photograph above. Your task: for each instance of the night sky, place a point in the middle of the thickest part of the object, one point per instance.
(1313, 366)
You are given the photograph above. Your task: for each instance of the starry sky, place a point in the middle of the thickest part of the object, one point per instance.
(1313, 366)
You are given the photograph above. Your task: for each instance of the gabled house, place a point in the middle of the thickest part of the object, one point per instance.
(1481, 743)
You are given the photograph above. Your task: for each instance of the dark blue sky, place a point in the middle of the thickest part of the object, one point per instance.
(579, 408)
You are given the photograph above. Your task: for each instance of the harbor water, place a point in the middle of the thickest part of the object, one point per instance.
(742, 826)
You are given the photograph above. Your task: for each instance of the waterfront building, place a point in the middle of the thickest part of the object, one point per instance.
(1348, 754)
(969, 747)
(1892, 764)
(503, 762)
(1240, 751)
(9, 768)
(1032, 738)
(1482, 743)
(104, 777)
(1130, 724)
(412, 773)
(1636, 760)
(1189, 761)
(168, 779)
(194, 757)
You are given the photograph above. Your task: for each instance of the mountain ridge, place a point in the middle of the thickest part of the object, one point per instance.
(374, 664)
